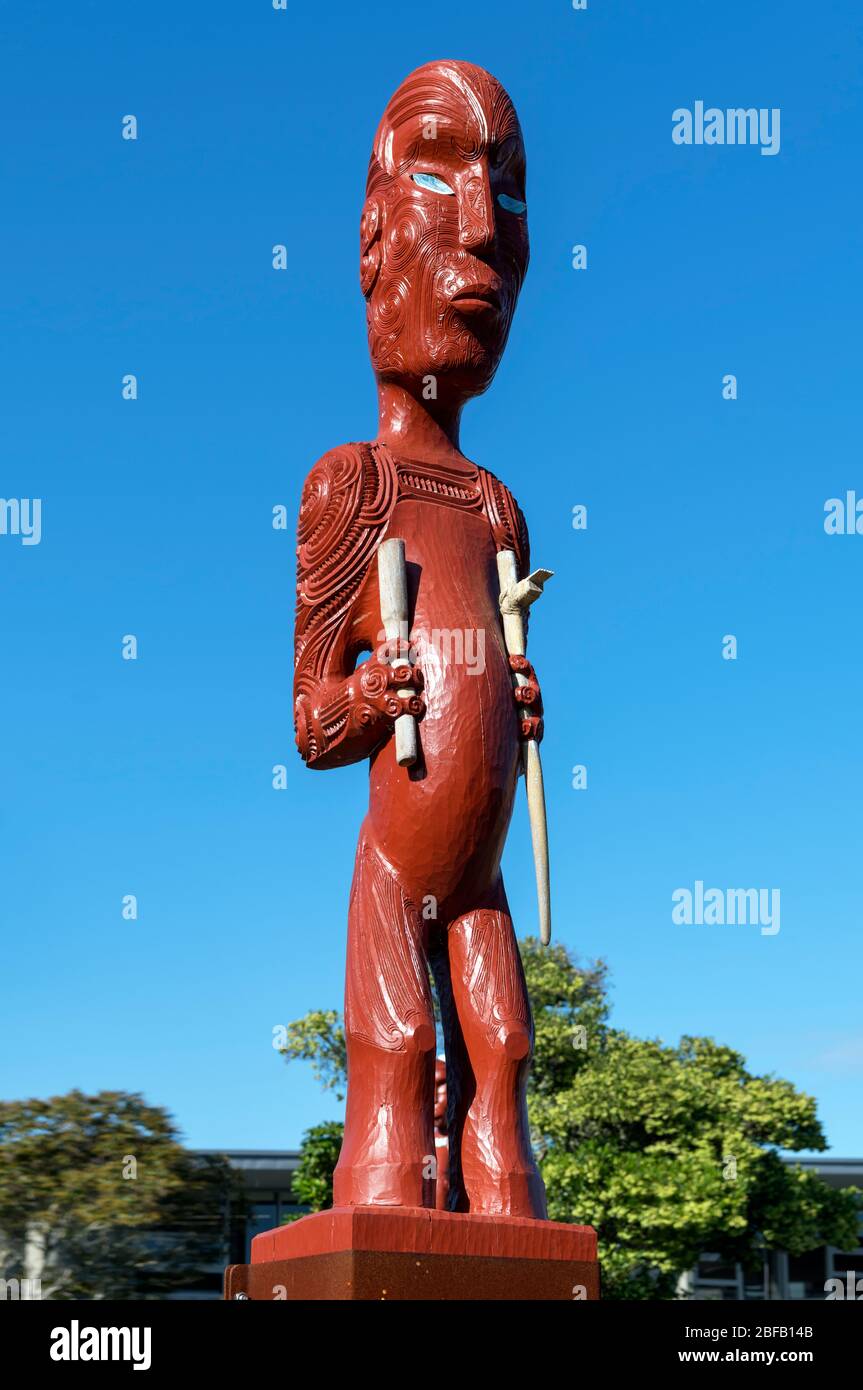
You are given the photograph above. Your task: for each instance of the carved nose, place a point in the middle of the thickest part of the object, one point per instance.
(477, 214)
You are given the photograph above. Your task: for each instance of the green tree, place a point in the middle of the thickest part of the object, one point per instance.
(667, 1151)
(319, 1038)
(98, 1199)
(312, 1183)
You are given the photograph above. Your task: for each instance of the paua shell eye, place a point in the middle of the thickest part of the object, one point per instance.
(433, 182)
(511, 204)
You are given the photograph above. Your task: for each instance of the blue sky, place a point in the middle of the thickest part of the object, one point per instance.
(705, 517)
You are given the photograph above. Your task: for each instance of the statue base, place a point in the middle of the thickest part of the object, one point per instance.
(415, 1253)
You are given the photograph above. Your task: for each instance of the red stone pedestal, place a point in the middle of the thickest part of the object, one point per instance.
(415, 1253)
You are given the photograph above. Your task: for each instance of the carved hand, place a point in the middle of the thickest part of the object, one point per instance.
(375, 698)
(528, 699)
(350, 717)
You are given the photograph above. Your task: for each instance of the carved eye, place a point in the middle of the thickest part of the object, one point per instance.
(433, 182)
(511, 204)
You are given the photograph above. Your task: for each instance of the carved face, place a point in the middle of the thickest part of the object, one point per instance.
(444, 245)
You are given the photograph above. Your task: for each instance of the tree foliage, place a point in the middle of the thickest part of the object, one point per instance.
(98, 1199)
(319, 1038)
(312, 1183)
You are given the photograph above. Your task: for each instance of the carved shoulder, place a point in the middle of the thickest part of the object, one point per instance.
(345, 506)
(506, 519)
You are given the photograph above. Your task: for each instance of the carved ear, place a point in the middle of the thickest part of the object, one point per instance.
(370, 245)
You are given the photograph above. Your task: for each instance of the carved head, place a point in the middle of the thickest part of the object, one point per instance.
(443, 236)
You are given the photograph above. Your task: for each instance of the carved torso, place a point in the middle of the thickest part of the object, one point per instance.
(346, 509)
(453, 521)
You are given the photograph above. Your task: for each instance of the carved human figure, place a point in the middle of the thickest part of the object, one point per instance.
(444, 250)
(441, 1142)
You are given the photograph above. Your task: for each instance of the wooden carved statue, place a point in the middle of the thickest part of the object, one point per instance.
(443, 253)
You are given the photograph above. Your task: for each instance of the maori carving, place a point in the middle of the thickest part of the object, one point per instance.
(443, 254)
(346, 505)
(388, 999)
(529, 696)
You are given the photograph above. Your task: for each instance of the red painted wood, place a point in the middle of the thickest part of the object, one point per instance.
(425, 1231)
(441, 271)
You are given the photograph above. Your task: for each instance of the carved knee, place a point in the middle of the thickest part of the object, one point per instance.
(513, 1040)
(419, 1035)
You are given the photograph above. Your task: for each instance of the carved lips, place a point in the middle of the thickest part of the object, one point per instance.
(477, 299)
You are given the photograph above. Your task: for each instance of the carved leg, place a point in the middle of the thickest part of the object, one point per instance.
(386, 1157)
(495, 1166)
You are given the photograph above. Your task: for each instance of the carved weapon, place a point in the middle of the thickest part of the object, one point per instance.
(393, 586)
(515, 596)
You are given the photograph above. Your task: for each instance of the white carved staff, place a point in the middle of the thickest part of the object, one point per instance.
(515, 597)
(393, 586)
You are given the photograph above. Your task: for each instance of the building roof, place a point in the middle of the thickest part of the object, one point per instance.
(261, 1168)
(271, 1168)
